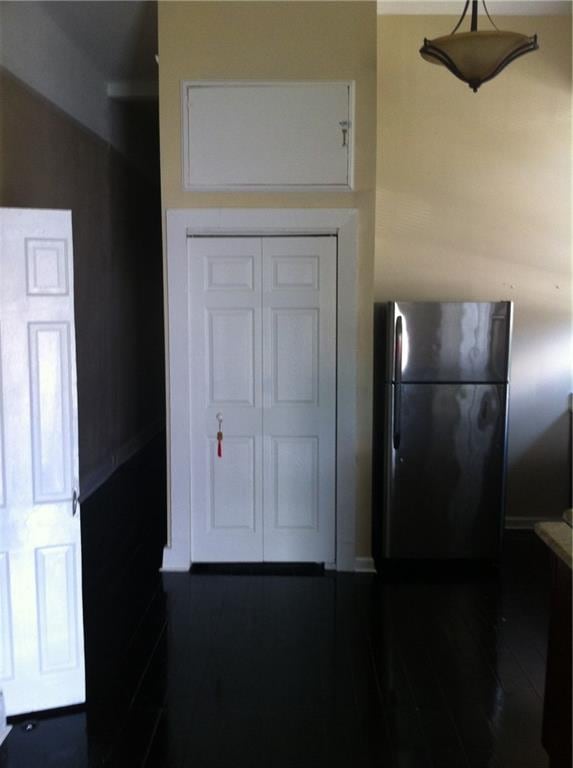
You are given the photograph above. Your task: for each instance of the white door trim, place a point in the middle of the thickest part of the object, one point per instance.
(181, 224)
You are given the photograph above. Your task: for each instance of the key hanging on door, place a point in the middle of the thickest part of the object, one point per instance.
(220, 436)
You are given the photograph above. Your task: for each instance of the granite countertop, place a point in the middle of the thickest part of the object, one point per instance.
(559, 537)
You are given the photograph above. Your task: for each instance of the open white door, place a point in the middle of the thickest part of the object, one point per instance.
(41, 622)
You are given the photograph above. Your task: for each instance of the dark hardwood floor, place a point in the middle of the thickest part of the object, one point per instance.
(303, 671)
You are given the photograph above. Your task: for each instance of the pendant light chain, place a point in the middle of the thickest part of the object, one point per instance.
(462, 17)
(494, 25)
(474, 22)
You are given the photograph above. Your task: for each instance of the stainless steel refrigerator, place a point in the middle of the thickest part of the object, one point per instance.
(440, 428)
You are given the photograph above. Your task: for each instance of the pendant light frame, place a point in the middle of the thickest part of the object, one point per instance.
(433, 51)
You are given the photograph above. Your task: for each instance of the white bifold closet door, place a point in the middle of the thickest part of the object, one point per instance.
(262, 330)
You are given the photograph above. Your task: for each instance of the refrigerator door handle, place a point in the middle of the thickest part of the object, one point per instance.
(397, 412)
(397, 383)
(398, 351)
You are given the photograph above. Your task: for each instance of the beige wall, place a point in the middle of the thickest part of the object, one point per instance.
(473, 202)
(283, 41)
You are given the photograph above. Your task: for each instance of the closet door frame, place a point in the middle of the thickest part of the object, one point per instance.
(182, 224)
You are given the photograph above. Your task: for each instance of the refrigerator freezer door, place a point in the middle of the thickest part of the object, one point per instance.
(445, 481)
(451, 341)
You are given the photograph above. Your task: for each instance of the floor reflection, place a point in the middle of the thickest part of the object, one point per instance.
(333, 670)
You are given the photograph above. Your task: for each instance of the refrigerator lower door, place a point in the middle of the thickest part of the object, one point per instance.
(445, 479)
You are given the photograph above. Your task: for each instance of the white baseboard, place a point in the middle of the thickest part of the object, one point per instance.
(364, 565)
(516, 523)
(98, 476)
(175, 561)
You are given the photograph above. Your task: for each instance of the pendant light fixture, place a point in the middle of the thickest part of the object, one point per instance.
(477, 56)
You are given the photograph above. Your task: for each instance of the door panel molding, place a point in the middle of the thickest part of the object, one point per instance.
(2, 449)
(57, 607)
(6, 624)
(302, 357)
(181, 224)
(294, 272)
(240, 496)
(290, 509)
(239, 324)
(46, 267)
(50, 384)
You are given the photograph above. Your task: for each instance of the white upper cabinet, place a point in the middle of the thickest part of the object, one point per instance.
(280, 135)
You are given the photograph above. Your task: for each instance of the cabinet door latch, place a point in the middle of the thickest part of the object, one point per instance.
(345, 127)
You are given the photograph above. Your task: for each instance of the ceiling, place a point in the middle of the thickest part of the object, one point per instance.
(495, 7)
(118, 36)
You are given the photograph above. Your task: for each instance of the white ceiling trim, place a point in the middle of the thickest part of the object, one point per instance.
(455, 7)
(132, 90)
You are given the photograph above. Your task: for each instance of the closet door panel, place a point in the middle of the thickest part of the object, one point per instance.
(226, 381)
(299, 398)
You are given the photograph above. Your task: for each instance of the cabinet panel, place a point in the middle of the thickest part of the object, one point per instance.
(250, 135)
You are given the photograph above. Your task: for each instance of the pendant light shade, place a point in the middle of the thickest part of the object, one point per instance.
(477, 56)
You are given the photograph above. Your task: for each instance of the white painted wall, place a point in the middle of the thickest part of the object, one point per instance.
(38, 52)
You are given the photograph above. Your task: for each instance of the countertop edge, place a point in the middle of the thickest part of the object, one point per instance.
(559, 538)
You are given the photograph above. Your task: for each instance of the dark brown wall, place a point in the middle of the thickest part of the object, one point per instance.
(50, 161)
